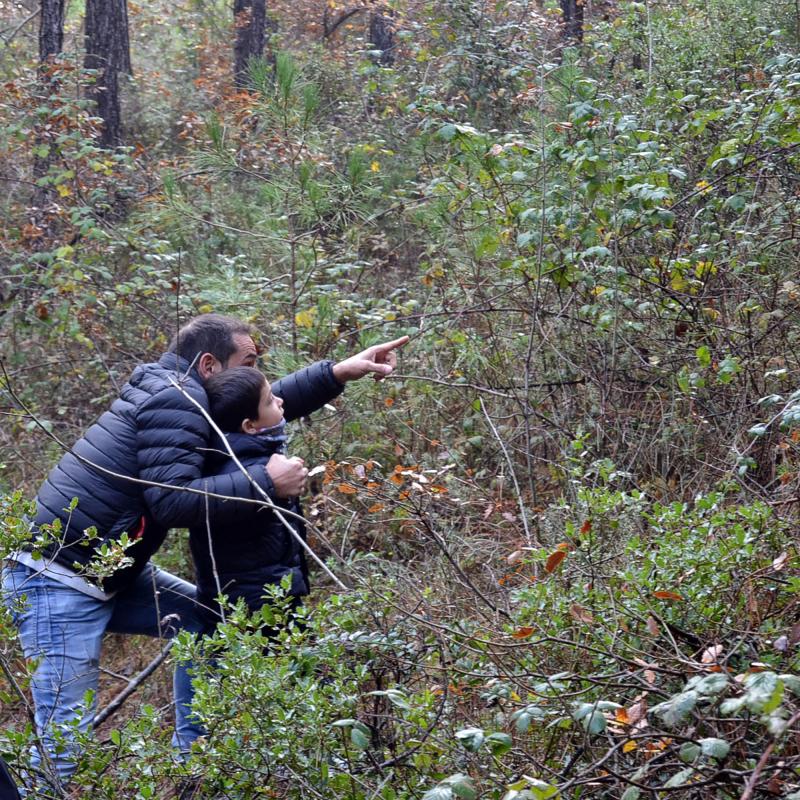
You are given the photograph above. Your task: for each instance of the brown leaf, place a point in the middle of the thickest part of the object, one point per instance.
(638, 711)
(586, 527)
(621, 716)
(523, 633)
(650, 676)
(794, 636)
(553, 560)
(652, 627)
(581, 614)
(665, 595)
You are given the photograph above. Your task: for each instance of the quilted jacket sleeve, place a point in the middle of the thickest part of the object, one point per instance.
(307, 390)
(172, 443)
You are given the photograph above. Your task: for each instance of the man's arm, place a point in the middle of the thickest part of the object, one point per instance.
(307, 390)
(172, 442)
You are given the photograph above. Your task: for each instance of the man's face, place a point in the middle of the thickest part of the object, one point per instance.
(245, 355)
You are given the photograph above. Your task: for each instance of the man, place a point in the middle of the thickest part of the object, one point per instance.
(135, 473)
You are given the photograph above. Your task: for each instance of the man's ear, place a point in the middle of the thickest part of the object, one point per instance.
(208, 365)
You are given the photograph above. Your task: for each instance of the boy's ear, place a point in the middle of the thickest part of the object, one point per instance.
(248, 426)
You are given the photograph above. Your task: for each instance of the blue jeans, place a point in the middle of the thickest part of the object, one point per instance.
(63, 628)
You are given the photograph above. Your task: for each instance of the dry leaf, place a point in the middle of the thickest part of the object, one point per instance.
(637, 713)
(652, 627)
(650, 676)
(711, 654)
(586, 527)
(629, 746)
(665, 595)
(346, 488)
(516, 556)
(553, 560)
(523, 633)
(581, 614)
(780, 562)
(621, 716)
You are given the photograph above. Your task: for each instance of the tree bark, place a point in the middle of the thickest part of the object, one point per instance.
(573, 20)
(250, 22)
(51, 29)
(381, 35)
(108, 53)
(51, 41)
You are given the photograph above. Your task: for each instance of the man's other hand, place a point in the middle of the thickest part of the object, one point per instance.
(288, 475)
(380, 360)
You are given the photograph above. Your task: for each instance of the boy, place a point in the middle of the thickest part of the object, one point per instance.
(259, 549)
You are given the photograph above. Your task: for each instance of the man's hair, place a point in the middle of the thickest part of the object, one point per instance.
(233, 396)
(209, 333)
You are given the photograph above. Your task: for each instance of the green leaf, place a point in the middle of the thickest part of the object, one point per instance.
(679, 778)
(462, 786)
(590, 717)
(499, 743)
(440, 792)
(631, 793)
(714, 748)
(689, 752)
(470, 738)
(703, 356)
(360, 736)
(677, 708)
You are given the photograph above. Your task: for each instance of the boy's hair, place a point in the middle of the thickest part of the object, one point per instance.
(209, 333)
(233, 396)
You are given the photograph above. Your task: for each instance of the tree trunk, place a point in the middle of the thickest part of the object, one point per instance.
(51, 40)
(108, 53)
(573, 20)
(250, 22)
(51, 29)
(381, 35)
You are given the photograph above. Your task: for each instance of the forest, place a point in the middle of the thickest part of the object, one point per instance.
(558, 544)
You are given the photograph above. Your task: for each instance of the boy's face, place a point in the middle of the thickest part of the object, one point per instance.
(270, 411)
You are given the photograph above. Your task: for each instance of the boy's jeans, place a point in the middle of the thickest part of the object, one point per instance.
(63, 629)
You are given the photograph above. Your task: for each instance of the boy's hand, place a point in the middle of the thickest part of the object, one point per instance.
(288, 475)
(380, 360)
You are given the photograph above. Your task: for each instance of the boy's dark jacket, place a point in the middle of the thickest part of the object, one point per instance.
(255, 551)
(154, 432)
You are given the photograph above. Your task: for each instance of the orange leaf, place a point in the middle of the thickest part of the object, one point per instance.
(389, 402)
(345, 488)
(586, 527)
(664, 595)
(565, 546)
(396, 479)
(375, 507)
(554, 559)
(621, 716)
(523, 633)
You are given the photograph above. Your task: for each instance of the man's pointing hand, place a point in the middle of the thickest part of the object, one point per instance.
(379, 360)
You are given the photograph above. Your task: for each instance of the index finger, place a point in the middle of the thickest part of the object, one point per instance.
(387, 346)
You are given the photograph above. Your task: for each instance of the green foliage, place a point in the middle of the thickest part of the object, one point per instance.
(569, 519)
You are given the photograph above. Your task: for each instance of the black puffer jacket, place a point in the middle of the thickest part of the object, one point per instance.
(153, 432)
(257, 550)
